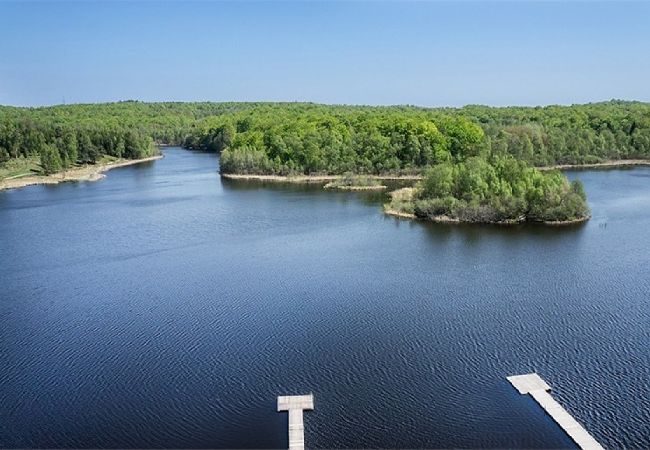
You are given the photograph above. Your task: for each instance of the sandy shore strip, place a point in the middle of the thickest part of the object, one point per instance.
(312, 178)
(400, 214)
(85, 173)
(603, 165)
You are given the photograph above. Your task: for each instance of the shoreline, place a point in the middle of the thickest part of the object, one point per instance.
(312, 178)
(330, 187)
(400, 214)
(612, 164)
(561, 223)
(84, 173)
(510, 222)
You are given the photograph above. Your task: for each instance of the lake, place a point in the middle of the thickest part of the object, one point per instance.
(165, 307)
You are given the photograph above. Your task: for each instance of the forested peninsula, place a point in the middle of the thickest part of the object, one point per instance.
(477, 163)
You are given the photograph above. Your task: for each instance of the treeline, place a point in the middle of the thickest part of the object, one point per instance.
(497, 189)
(63, 136)
(364, 143)
(580, 134)
(306, 138)
(62, 146)
(283, 138)
(336, 140)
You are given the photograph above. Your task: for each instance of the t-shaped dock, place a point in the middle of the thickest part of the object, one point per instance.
(295, 404)
(534, 385)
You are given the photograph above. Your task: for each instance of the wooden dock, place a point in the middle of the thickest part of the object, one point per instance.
(295, 404)
(534, 385)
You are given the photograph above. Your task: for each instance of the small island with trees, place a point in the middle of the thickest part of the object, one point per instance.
(500, 190)
(471, 164)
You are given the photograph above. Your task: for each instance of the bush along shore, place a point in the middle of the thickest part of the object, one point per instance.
(351, 182)
(498, 190)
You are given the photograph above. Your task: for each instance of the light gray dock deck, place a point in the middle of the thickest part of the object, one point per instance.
(295, 404)
(534, 385)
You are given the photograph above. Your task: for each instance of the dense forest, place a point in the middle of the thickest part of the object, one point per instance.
(65, 135)
(282, 138)
(477, 159)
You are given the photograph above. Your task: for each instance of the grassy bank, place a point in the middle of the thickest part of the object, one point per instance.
(20, 167)
(28, 172)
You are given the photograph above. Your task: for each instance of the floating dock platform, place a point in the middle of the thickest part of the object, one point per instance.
(296, 404)
(534, 385)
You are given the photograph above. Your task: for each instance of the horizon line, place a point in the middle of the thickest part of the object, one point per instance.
(311, 102)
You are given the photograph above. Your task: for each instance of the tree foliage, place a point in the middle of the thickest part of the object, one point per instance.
(498, 189)
(308, 138)
(334, 139)
(50, 159)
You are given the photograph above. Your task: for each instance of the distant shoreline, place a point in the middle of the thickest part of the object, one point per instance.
(614, 164)
(85, 173)
(378, 187)
(312, 178)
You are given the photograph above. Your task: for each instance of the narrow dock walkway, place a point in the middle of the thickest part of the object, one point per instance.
(295, 404)
(534, 385)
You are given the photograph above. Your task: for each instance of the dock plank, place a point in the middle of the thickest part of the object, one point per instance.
(534, 385)
(295, 404)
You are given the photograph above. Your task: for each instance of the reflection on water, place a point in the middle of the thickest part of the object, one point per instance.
(165, 307)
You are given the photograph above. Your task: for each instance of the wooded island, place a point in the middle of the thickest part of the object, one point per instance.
(478, 163)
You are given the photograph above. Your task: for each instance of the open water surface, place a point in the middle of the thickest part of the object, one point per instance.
(165, 307)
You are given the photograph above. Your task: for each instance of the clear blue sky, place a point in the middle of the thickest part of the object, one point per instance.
(425, 53)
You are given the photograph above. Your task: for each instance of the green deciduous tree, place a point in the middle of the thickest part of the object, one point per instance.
(50, 159)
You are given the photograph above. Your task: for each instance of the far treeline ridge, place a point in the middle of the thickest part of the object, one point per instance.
(312, 138)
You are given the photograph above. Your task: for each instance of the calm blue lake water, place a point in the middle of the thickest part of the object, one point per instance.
(164, 307)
